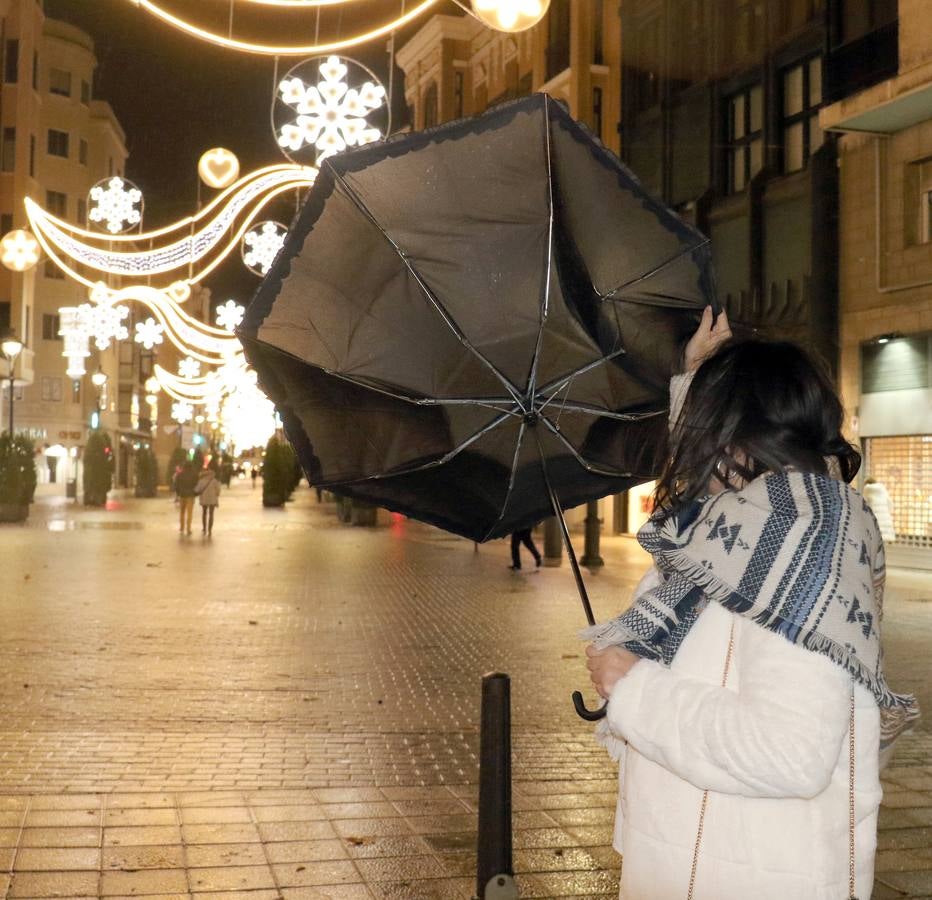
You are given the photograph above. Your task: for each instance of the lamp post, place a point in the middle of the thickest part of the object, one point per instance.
(99, 379)
(11, 346)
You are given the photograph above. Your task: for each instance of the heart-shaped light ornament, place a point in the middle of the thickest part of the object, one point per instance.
(218, 167)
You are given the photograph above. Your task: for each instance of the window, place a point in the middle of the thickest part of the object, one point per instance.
(748, 28)
(82, 211)
(5, 317)
(58, 143)
(51, 389)
(35, 70)
(85, 92)
(802, 96)
(430, 105)
(11, 62)
(75, 391)
(50, 270)
(458, 94)
(56, 203)
(51, 325)
(598, 50)
(82, 152)
(60, 82)
(6, 223)
(745, 145)
(597, 111)
(648, 56)
(32, 156)
(8, 150)
(558, 37)
(903, 465)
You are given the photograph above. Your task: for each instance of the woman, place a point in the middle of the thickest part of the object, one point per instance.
(752, 646)
(208, 491)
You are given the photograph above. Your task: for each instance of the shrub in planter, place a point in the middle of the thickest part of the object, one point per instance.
(17, 477)
(175, 462)
(147, 473)
(98, 468)
(226, 469)
(274, 476)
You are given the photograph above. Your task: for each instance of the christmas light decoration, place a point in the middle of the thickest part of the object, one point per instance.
(230, 315)
(510, 15)
(189, 368)
(19, 250)
(261, 245)
(222, 225)
(75, 340)
(218, 168)
(104, 323)
(182, 412)
(116, 204)
(149, 333)
(231, 43)
(331, 114)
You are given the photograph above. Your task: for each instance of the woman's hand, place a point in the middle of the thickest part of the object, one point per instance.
(708, 338)
(607, 666)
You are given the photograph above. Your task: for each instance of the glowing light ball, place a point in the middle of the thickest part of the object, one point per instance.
(19, 250)
(510, 15)
(218, 167)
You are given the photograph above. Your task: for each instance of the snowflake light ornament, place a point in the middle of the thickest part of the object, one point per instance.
(115, 204)
(148, 333)
(189, 368)
(19, 250)
(230, 314)
(182, 412)
(331, 115)
(261, 245)
(104, 323)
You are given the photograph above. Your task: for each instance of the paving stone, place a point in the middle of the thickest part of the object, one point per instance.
(148, 881)
(231, 877)
(44, 859)
(53, 884)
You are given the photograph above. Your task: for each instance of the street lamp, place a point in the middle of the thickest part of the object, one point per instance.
(98, 379)
(11, 346)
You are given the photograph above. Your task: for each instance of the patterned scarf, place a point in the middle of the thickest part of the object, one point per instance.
(797, 553)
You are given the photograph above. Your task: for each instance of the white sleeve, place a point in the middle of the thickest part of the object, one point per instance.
(679, 385)
(778, 735)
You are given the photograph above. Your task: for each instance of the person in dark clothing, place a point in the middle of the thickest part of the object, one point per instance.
(185, 483)
(517, 539)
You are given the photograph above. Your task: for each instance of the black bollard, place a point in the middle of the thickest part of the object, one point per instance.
(494, 872)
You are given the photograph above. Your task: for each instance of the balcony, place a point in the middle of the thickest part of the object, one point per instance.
(861, 63)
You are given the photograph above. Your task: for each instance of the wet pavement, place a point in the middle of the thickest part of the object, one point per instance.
(290, 708)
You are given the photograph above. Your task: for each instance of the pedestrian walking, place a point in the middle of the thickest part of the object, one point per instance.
(208, 493)
(878, 499)
(185, 483)
(522, 536)
(746, 701)
(254, 474)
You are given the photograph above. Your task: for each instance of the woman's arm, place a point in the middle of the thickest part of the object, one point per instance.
(780, 735)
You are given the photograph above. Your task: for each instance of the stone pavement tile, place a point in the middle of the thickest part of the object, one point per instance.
(323, 892)
(904, 838)
(305, 812)
(904, 818)
(885, 892)
(359, 828)
(228, 878)
(211, 798)
(50, 818)
(139, 801)
(606, 858)
(215, 815)
(441, 824)
(53, 884)
(184, 896)
(305, 851)
(400, 868)
(9, 837)
(268, 894)
(381, 810)
(166, 856)
(461, 863)
(596, 816)
(908, 882)
(60, 837)
(65, 801)
(553, 860)
(432, 889)
(297, 831)
(12, 802)
(903, 860)
(135, 816)
(11, 818)
(348, 795)
(142, 834)
(906, 798)
(401, 845)
(313, 874)
(220, 834)
(579, 801)
(45, 859)
(145, 881)
(430, 792)
(593, 835)
(566, 884)
(528, 838)
(448, 807)
(214, 855)
(533, 819)
(454, 841)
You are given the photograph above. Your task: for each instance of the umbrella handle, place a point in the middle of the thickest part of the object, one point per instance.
(590, 715)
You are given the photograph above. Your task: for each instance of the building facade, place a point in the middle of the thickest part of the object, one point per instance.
(57, 142)
(885, 187)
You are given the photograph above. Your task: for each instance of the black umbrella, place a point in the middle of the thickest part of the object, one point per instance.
(475, 325)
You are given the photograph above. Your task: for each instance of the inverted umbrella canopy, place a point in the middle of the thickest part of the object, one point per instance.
(462, 315)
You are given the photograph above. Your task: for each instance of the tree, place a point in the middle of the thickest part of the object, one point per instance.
(17, 476)
(275, 475)
(147, 473)
(98, 468)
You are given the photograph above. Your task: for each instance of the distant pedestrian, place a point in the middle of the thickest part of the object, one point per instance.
(185, 483)
(878, 499)
(517, 539)
(208, 492)
(254, 474)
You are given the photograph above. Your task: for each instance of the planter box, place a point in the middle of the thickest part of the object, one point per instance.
(14, 512)
(272, 500)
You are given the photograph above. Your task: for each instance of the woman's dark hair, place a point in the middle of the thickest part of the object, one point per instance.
(771, 401)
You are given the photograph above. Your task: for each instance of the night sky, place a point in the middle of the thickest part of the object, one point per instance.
(177, 97)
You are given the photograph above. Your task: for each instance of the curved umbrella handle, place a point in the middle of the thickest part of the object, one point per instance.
(590, 715)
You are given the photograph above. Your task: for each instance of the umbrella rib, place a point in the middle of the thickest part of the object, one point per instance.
(596, 411)
(558, 384)
(652, 272)
(511, 480)
(512, 389)
(450, 454)
(588, 466)
(545, 298)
